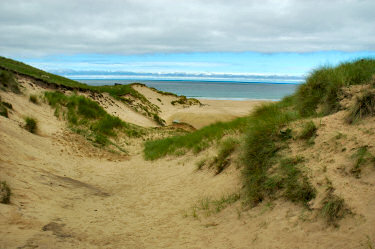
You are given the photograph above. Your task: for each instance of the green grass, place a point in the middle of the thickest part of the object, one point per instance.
(308, 130)
(323, 86)
(209, 206)
(333, 207)
(4, 106)
(262, 142)
(295, 183)
(201, 163)
(364, 106)
(226, 148)
(5, 193)
(88, 118)
(8, 82)
(10, 66)
(3, 110)
(195, 141)
(30, 124)
(361, 157)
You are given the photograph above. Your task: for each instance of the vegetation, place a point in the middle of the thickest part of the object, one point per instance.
(117, 91)
(30, 124)
(88, 117)
(4, 106)
(8, 82)
(200, 164)
(364, 106)
(308, 132)
(323, 87)
(333, 206)
(227, 147)
(196, 141)
(3, 110)
(33, 98)
(262, 142)
(5, 193)
(361, 156)
(209, 206)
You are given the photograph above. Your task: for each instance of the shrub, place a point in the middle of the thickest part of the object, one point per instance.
(5, 193)
(33, 99)
(31, 124)
(364, 106)
(308, 131)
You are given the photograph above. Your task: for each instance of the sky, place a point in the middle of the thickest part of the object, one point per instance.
(170, 38)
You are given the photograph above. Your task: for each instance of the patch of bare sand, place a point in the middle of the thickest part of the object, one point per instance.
(211, 111)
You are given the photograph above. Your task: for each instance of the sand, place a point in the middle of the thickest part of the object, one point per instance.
(209, 112)
(70, 194)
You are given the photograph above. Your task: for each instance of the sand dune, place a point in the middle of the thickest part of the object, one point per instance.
(69, 194)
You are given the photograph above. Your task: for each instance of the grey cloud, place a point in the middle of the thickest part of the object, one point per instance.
(42, 27)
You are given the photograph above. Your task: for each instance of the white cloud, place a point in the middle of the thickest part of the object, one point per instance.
(42, 27)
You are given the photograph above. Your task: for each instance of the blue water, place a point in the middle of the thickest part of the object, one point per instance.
(211, 90)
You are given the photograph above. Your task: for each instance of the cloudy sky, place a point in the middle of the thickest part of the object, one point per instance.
(287, 37)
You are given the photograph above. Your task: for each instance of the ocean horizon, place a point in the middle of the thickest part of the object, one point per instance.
(217, 90)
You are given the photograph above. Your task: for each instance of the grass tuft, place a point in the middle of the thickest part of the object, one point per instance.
(364, 106)
(361, 156)
(8, 82)
(333, 207)
(5, 193)
(33, 98)
(308, 131)
(227, 147)
(30, 124)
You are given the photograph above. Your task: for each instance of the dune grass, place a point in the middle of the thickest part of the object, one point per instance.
(5, 193)
(195, 141)
(8, 82)
(226, 148)
(363, 106)
(323, 86)
(31, 124)
(308, 131)
(88, 117)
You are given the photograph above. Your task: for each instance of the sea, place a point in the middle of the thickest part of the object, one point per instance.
(220, 90)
